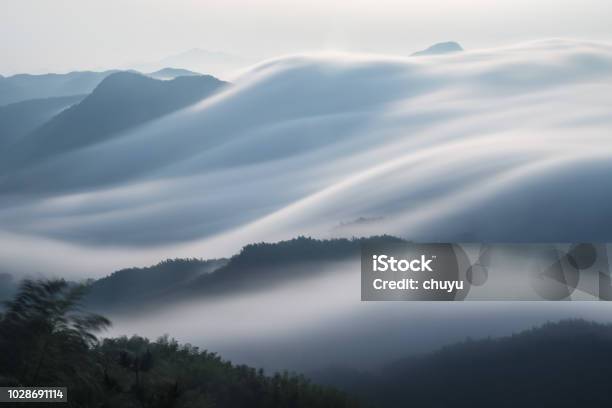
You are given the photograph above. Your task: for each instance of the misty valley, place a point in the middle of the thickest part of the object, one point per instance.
(366, 355)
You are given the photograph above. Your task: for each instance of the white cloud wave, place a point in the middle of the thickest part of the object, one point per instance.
(509, 144)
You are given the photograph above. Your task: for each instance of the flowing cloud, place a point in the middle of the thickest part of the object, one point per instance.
(508, 144)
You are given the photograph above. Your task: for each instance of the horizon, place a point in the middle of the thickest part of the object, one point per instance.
(146, 33)
(243, 65)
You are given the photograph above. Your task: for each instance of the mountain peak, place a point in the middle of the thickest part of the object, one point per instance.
(217, 63)
(122, 78)
(440, 48)
(121, 100)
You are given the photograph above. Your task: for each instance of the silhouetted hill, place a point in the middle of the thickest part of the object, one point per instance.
(440, 48)
(559, 364)
(23, 87)
(20, 118)
(141, 285)
(264, 265)
(257, 266)
(122, 100)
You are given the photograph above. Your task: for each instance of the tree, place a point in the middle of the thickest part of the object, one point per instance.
(45, 336)
(46, 339)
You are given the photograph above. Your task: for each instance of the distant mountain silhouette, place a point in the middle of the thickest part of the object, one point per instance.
(171, 73)
(120, 101)
(138, 285)
(20, 118)
(22, 87)
(565, 364)
(196, 59)
(440, 48)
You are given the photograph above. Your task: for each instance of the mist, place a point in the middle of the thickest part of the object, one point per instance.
(474, 146)
(319, 323)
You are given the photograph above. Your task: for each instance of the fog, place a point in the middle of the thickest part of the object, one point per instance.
(501, 145)
(320, 323)
(505, 144)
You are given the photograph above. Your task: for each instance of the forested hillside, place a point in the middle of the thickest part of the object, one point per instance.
(563, 364)
(46, 339)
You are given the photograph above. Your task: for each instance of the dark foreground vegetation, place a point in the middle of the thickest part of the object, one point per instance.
(46, 339)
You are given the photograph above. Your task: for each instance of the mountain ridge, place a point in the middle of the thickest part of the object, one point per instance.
(21, 87)
(20, 118)
(256, 266)
(546, 365)
(120, 101)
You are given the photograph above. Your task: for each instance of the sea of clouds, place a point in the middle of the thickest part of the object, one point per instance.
(505, 144)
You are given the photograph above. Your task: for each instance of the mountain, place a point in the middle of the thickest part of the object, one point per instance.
(20, 118)
(120, 101)
(264, 265)
(127, 287)
(440, 48)
(199, 60)
(171, 73)
(22, 87)
(123, 372)
(257, 266)
(564, 364)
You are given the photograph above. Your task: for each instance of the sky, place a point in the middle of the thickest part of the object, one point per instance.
(62, 35)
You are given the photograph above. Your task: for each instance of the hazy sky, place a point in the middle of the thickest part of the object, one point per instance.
(60, 35)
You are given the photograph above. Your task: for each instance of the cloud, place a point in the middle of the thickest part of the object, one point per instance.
(507, 144)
